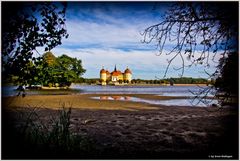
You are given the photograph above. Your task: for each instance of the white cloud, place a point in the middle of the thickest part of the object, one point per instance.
(106, 35)
(144, 64)
(94, 59)
(101, 38)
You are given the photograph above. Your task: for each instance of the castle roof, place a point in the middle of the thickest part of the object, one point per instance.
(103, 71)
(116, 73)
(128, 71)
(107, 72)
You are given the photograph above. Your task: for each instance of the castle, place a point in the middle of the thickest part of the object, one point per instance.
(116, 77)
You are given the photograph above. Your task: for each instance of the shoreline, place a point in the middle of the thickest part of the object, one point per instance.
(163, 85)
(87, 101)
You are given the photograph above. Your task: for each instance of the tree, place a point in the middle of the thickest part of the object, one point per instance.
(25, 27)
(49, 58)
(199, 32)
(62, 70)
(227, 82)
(54, 71)
(71, 69)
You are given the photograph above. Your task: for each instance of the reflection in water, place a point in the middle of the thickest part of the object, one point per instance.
(104, 98)
(126, 98)
(170, 102)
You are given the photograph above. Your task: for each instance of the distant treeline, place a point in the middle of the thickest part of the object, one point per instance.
(182, 80)
(187, 80)
(87, 80)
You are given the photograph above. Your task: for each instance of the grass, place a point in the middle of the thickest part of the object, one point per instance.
(33, 138)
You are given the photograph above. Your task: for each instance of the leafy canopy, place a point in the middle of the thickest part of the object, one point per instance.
(58, 71)
(25, 27)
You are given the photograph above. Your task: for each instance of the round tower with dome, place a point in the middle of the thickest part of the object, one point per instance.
(103, 76)
(128, 75)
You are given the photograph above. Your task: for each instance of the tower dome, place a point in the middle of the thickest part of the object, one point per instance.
(102, 71)
(128, 71)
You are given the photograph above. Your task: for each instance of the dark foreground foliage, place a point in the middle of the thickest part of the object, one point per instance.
(26, 27)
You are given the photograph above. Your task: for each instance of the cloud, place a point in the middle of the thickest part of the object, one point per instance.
(144, 64)
(109, 35)
(93, 59)
(109, 24)
(103, 34)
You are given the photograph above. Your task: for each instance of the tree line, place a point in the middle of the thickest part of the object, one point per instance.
(182, 80)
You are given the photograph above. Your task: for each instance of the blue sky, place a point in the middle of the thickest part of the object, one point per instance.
(108, 33)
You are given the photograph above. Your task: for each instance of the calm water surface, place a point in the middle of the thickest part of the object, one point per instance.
(95, 89)
(170, 102)
(158, 90)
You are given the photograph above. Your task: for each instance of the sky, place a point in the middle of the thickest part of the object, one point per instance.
(108, 33)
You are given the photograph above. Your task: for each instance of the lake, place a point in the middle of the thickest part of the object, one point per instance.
(157, 90)
(96, 89)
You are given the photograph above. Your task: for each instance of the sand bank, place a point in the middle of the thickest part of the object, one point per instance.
(83, 101)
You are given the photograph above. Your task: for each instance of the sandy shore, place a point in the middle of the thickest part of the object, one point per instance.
(125, 129)
(85, 101)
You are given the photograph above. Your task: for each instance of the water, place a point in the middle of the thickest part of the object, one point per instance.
(96, 89)
(170, 102)
(9, 90)
(157, 90)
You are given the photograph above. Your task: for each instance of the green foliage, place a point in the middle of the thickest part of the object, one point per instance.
(91, 81)
(187, 80)
(25, 27)
(73, 66)
(60, 71)
(49, 58)
(182, 80)
(51, 71)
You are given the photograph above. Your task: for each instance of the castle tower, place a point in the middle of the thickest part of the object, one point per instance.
(128, 75)
(103, 75)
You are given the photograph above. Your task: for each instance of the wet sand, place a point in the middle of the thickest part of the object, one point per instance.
(134, 130)
(84, 101)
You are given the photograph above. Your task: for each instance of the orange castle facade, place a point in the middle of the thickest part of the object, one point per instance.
(115, 76)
